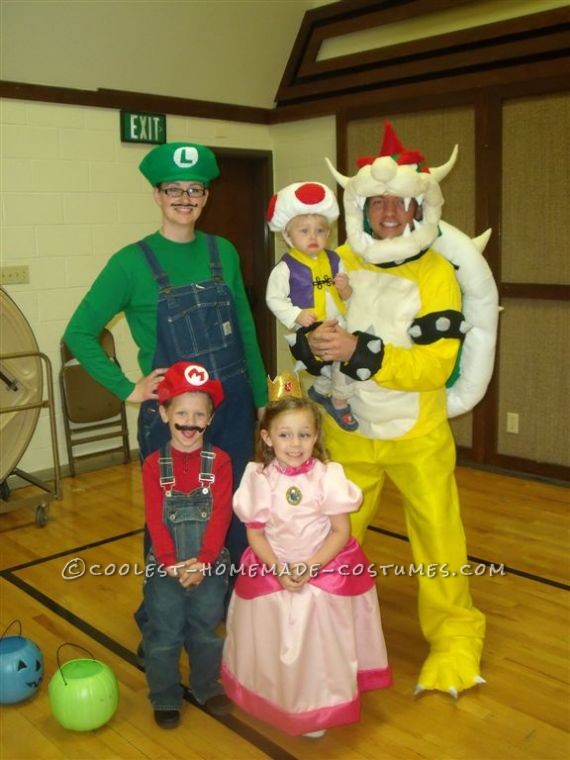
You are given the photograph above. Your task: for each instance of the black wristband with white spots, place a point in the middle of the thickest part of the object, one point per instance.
(436, 325)
(366, 359)
(302, 351)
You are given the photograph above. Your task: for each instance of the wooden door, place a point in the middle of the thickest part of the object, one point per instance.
(236, 211)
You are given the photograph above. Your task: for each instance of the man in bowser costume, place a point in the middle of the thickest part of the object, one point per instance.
(421, 291)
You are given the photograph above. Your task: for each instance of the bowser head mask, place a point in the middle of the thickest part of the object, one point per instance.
(395, 171)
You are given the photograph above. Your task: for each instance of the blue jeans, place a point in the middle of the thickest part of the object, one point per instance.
(177, 618)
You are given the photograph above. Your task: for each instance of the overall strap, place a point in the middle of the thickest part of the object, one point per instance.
(159, 274)
(167, 481)
(206, 477)
(215, 263)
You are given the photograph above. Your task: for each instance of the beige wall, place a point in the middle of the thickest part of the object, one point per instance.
(72, 196)
(227, 51)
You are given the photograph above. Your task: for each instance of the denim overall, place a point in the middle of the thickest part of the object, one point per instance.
(180, 616)
(198, 322)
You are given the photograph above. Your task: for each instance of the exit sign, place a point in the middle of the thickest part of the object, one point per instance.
(143, 127)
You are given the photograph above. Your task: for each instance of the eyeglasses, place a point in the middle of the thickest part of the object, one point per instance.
(178, 192)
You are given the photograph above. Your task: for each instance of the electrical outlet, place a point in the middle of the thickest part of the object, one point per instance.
(17, 275)
(512, 423)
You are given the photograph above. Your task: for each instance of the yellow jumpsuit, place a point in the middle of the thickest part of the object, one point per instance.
(404, 433)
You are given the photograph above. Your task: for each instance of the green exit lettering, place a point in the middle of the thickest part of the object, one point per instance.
(143, 127)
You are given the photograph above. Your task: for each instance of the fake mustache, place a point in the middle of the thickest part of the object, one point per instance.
(185, 205)
(189, 428)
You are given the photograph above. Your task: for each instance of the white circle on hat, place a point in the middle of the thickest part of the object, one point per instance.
(195, 374)
(185, 157)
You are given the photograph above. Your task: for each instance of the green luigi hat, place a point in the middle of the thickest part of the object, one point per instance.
(171, 162)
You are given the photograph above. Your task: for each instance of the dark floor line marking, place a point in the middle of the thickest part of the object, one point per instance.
(70, 617)
(73, 550)
(246, 732)
(507, 568)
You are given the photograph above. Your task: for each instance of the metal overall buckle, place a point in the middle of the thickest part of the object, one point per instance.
(207, 478)
(168, 481)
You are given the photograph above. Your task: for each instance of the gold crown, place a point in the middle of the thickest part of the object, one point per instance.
(285, 384)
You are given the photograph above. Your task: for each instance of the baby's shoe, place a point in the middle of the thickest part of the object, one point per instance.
(343, 417)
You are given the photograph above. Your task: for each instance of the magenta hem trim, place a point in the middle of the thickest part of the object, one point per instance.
(378, 678)
(293, 724)
(311, 720)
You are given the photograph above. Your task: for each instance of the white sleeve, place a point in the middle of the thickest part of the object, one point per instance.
(277, 296)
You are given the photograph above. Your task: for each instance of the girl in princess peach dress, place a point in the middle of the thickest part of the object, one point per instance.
(304, 634)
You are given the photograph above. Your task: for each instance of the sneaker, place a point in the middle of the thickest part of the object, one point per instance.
(167, 718)
(218, 705)
(315, 734)
(343, 417)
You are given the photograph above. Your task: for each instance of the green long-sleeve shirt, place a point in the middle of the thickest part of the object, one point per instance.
(126, 284)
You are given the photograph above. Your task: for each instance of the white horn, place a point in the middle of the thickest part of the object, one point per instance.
(441, 172)
(481, 241)
(340, 178)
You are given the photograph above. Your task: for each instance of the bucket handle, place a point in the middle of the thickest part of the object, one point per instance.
(69, 644)
(10, 625)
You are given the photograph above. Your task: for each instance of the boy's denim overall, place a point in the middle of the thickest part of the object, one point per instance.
(188, 617)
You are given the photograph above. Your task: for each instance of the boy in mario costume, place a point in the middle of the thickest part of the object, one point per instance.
(188, 504)
(421, 290)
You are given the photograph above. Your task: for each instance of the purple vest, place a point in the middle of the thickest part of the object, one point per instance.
(301, 284)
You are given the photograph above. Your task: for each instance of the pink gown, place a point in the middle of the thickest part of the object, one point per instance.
(299, 660)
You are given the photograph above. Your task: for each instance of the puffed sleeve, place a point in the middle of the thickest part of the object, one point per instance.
(252, 500)
(339, 494)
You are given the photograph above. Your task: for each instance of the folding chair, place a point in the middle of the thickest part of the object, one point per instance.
(89, 407)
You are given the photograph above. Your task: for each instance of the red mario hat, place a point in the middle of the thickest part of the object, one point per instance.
(188, 377)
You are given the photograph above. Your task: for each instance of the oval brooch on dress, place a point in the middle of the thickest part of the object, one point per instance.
(294, 495)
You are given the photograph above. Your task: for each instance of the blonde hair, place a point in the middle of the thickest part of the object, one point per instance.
(295, 219)
(263, 452)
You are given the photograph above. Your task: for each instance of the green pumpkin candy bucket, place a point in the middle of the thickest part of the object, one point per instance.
(83, 693)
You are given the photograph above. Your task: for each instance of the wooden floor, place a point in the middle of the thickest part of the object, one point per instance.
(522, 712)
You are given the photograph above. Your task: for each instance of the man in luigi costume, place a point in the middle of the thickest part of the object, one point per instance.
(183, 297)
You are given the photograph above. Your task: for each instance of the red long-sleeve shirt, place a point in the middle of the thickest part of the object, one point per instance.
(186, 468)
